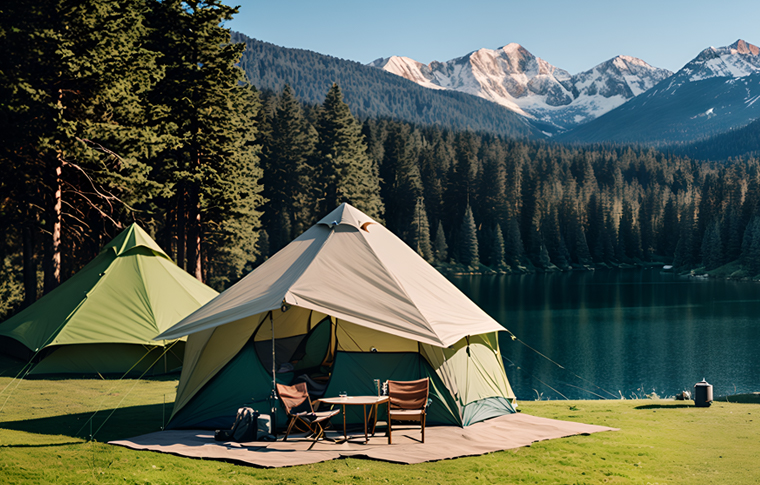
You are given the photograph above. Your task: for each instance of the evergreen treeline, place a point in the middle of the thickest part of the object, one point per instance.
(739, 142)
(373, 93)
(475, 199)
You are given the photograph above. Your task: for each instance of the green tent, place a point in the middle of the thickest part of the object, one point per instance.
(344, 304)
(105, 317)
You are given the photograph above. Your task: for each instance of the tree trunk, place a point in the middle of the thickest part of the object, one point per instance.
(181, 227)
(53, 266)
(167, 235)
(30, 268)
(194, 256)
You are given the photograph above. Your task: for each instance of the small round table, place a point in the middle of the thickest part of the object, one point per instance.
(364, 401)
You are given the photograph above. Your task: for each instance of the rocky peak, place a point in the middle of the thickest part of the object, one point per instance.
(742, 47)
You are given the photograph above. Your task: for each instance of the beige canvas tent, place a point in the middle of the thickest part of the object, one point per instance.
(344, 304)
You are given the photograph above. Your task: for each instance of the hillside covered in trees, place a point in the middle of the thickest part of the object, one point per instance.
(740, 142)
(141, 114)
(374, 93)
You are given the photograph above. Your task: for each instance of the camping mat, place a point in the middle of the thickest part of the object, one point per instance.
(441, 442)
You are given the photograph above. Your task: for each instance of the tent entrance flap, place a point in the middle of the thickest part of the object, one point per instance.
(355, 373)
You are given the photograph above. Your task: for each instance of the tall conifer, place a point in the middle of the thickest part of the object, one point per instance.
(287, 176)
(419, 232)
(211, 169)
(440, 247)
(497, 249)
(346, 173)
(468, 246)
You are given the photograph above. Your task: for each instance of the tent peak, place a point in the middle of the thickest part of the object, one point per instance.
(132, 237)
(346, 214)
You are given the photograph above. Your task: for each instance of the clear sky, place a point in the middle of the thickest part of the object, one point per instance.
(572, 35)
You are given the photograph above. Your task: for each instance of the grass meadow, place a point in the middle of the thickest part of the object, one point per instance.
(45, 429)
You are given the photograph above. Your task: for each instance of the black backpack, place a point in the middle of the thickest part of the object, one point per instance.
(243, 430)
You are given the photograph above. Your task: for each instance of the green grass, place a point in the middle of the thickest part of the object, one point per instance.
(44, 429)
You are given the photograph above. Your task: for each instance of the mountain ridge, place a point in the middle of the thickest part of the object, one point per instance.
(515, 78)
(717, 91)
(370, 92)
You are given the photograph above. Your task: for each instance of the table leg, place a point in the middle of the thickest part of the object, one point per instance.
(373, 413)
(366, 439)
(344, 423)
(388, 409)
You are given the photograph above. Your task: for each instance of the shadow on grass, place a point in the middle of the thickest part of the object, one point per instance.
(125, 422)
(43, 445)
(10, 367)
(664, 406)
(171, 376)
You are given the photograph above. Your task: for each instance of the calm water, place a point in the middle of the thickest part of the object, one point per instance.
(623, 331)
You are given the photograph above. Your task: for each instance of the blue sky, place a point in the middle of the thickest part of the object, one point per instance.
(574, 36)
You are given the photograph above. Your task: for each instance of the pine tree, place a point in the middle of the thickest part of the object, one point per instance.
(668, 235)
(287, 173)
(494, 201)
(401, 185)
(751, 247)
(211, 168)
(419, 232)
(468, 246)
(733, 233)
(542, 260)
(581, 250)
(346, 173)
(262, 245)
(553, 240)
(497, 249)
(461, 190)
(684, 256)
(629, 234)
(712, 247)
(514, 252)
(440, 247)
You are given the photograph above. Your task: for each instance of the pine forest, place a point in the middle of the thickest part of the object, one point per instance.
(143, 113)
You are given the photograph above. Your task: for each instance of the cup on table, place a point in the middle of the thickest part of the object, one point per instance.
(343, 394)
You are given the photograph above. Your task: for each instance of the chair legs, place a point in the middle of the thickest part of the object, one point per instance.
(316, 430)
(390, 427)
(290, 427)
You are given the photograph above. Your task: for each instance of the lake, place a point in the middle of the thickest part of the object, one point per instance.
(626, 332)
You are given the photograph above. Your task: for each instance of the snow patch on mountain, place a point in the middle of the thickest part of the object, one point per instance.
(735, 61)
(516, 79)
(716, 91)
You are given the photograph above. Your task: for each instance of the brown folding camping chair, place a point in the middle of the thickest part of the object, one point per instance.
(408, 402)
(300, 411)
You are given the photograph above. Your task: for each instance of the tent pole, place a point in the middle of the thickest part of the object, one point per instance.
(274, 381)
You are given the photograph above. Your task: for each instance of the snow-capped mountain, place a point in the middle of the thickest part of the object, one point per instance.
(737, 60)
(515, 78)
(716, 91)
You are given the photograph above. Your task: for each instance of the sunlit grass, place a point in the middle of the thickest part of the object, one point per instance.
(44, 432)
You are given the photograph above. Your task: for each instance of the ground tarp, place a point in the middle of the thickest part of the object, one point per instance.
(441, 442)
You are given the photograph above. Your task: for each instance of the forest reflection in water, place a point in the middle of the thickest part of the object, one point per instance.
(629, 332)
